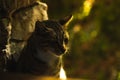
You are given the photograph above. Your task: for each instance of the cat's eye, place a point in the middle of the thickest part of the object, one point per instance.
(66, 40)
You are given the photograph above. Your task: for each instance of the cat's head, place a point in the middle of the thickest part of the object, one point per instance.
(51, 36)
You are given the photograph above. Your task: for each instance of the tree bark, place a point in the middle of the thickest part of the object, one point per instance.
(17, 22)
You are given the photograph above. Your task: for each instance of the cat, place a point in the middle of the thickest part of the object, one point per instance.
(43, 50)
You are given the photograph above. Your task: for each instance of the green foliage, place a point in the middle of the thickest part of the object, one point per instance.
(95, 48)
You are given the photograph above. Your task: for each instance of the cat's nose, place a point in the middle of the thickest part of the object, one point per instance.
(63, 49)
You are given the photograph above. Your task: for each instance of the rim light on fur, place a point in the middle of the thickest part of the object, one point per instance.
(62, 74)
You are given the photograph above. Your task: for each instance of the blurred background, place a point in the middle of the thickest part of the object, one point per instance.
(94, 37)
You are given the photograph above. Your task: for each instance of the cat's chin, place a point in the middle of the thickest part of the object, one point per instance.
(47, 56)
(58, 54)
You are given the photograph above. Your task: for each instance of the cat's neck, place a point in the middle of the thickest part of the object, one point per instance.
(48, 57)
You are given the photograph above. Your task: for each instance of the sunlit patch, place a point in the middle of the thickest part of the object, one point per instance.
(87, 7)
(62, 74)
(76, 28)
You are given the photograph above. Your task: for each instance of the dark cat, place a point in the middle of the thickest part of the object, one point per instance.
(48, 42)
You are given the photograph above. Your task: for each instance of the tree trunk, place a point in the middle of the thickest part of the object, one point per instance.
(17, 22)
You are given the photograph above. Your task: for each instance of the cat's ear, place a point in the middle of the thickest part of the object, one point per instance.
(65, 21)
